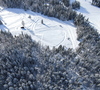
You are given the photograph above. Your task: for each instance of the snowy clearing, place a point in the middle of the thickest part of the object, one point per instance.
(52, 32)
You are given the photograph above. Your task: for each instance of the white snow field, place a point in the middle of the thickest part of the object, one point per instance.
(91, 12)
(52, 32)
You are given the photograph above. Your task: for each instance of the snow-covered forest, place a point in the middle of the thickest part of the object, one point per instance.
(26, 64)
(96, 2)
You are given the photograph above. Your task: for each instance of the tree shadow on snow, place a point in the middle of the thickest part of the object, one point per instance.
(32, 32)
(4, 28)
(46, 25)
(83, 10)
(15, 10)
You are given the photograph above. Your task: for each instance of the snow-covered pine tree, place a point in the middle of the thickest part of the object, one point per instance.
(66, 2)
(76, 5)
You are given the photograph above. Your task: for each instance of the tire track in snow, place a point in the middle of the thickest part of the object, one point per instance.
(34, 25)
(31, 24)
(51, 30)
(32, 29)
(63, 39)
(72, 37)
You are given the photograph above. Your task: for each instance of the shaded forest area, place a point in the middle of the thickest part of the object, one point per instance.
(96, 2)
(26, 65)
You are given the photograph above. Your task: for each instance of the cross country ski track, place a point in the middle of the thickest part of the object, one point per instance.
(52, 32)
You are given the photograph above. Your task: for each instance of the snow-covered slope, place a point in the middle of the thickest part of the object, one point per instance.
(53, 32)
(91, 12)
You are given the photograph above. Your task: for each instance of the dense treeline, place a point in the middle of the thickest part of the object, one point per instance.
(88, 51)
(60, 9)
(27, 65)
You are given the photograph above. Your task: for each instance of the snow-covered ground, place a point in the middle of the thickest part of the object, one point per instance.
(53, 32)
(91, 12)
